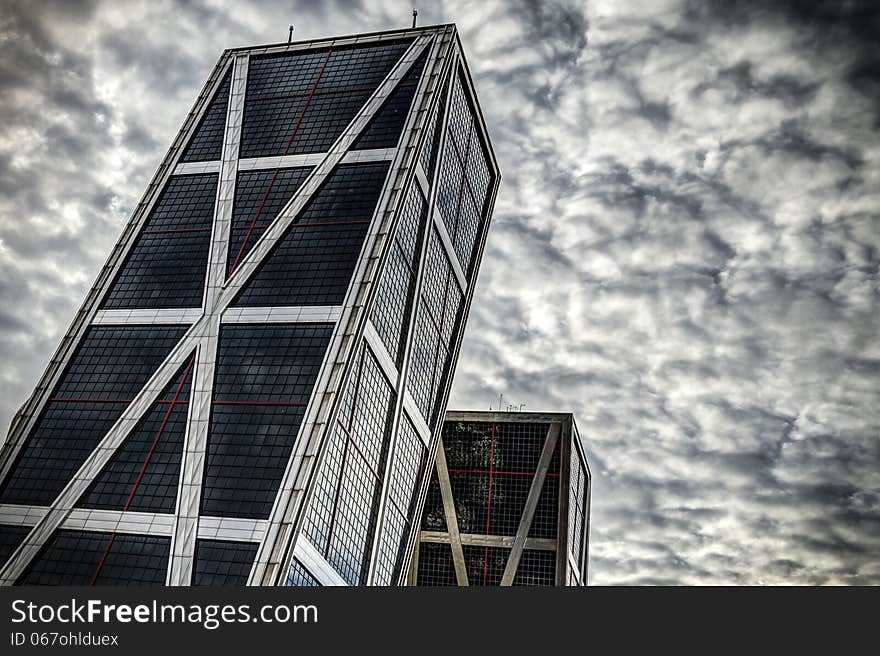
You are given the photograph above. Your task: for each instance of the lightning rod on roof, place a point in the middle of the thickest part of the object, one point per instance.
(415, 15)
(290, 34)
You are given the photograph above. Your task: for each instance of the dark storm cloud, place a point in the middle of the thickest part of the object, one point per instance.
(694, 189)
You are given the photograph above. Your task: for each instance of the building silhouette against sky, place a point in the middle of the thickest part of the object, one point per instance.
(508, 503)
(252, 390)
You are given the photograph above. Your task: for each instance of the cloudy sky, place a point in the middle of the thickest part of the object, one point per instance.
(684, 253)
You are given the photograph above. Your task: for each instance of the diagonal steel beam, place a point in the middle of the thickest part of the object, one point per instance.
(525, 522)
(183, 541)
(461, 576)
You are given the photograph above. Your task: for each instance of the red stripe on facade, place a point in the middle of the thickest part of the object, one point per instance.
(137, 480)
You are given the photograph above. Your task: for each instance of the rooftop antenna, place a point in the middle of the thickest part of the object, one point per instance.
(290, 34)
(415, 15)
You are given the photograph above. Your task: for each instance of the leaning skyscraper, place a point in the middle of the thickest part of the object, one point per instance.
(253, 388)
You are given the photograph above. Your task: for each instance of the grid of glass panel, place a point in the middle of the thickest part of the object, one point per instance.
(111, 364)
(301, 102)
(438, 315)
(10, 538)
(577, 506)
(259, 198)
(341, 519)
(313, 262)
(220, 562)
(433, 514)
(143, 473)
(299, 576)
(428, 155)
(96, 558)
(264, 378)
(465, 177)
(393, 302)
(207, 142)
(485, 565)
(383, 130)
(435, 565)
(167, 264)
(407, 471)
(536, 568)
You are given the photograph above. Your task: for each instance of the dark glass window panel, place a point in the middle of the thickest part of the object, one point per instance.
(468, 445)
(477, 171)
(471, 494)
(536, 568)
(449, 189)
(433, 515)
(186, 202)
(313, 262)
(261, 371)
(392, 303)
(350, 193)
(460, 117)
(361, 65)
(420, 378)
(275, 363)
(10, 538)
(167, 264)
(301, 102)
(341, 518)
(207, 142)
(65, 435)
(436, 279)
(286, 74)
(577, 507)
(268, 125)
(545, 519)
(218, 562)
(431, 147)
(109, 368)
(312, 265)
(405, 481)
(163, 270)
(435, 565)
(383, 130)
(466, 231)
(436, 320)
(394, 534)
(320, 515)
(518, 446)
(259, 198)
(114, 362)
(509, 493)
(248, 450)
(397, 285)
(299, 576)
(324, 119)
(441, 378)
(144, 472)
(74, 557)
(485, 565)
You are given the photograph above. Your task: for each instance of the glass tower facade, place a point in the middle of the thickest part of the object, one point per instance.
(251, 391)
(508, 503)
